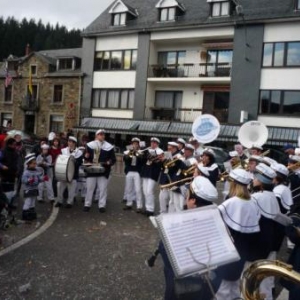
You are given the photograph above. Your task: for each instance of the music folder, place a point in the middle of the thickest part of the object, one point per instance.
(196, 240)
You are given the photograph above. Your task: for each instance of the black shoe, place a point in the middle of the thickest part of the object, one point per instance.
(41, 201)
(58, 204)
(52, 201)
(139, 211)
(127, 208)
(124, 201)
(86, 209)
(102, 209)
(149, 213)
(69, 205)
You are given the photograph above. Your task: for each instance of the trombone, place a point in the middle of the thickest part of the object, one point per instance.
(172, 184)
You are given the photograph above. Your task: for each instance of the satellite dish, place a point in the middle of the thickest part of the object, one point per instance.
(253, 133)
(206, 128)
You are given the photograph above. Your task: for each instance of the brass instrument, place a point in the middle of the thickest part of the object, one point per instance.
(261, 269)
(172, 184)
(189, 171)
(171, 163)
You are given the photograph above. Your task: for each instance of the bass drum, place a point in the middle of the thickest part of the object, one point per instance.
(64, 168)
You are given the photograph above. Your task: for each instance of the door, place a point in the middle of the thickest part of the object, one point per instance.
(29, 123)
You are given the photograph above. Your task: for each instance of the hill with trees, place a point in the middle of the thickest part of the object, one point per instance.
(15, 35)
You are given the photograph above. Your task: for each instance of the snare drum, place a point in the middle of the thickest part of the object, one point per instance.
(65, 168)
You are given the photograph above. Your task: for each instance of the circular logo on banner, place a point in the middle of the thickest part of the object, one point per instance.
(206, 128)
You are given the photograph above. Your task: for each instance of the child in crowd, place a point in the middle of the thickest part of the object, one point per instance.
(31, 178)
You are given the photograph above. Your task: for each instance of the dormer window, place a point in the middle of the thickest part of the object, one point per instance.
(121, 13)
(220, 8)
(65, 64)
(169, 10)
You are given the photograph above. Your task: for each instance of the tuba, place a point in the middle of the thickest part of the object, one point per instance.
(261, 269)
(253, 133)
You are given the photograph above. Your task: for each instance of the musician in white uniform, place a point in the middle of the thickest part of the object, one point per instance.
(98, 151)
(241, 215)
(44, 160)
(71, 186)
(269, 209)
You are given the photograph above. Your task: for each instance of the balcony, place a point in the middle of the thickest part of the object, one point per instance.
(29, 104)
(190, 70)
(172, 114)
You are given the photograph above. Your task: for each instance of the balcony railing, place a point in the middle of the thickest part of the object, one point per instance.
(191, 70)
(29, 104)
(172, 114)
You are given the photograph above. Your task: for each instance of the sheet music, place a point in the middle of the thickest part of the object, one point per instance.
(196, 239)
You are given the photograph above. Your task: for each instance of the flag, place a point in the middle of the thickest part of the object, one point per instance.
(8, 78)
(30, 83)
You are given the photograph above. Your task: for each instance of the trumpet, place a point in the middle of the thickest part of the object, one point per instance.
(172, 184)
(189, 171)
(171, 163)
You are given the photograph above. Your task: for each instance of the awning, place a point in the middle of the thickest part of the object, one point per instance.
(278, 136)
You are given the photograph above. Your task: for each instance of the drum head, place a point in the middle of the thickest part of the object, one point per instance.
(70, 169)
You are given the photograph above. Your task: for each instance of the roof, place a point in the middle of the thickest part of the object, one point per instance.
(196, 14)
(278, 136)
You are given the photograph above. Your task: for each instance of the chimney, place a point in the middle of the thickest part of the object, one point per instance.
(27, 50)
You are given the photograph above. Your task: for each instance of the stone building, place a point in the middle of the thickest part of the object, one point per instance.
(45, 91)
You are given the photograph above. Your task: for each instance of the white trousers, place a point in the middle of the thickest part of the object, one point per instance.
(99, 182)
(176, 202)
(49, 188)
(268, 284)
(229, 290)
(134, 189)
(148, 190)
(61, 186)
(164, 198)
(29, 202)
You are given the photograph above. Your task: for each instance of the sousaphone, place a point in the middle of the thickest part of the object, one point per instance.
(253, 133)
(206, 128)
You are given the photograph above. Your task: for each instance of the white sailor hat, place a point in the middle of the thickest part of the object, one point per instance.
(259, 147)
(159, 151)
(204, 189)
(135, 139)
(256, 158)
(203, 170)
(233, 153)
(264, 173)
(29, 157)
(99, 131)
(240, 176)
(155, 139)
(193, 140)
(45, 146)
(268, 161)
(51, 136)
(181, 141)
(294, 158)
(280, 169)
(297, 151)
(174, 144)
(189, 147)
(209, 152)
(72, 138)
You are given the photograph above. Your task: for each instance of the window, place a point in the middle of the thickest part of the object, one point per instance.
(297, 3)
(119, 19)
(171, 58)
(57, 94)
(218, 62)
(281, 54)
(115, 60)
(8, 93)
(167, 105)
(6, 119)
(220, 9)
(216, 103)
(66, 64)
(167, 14)
(56, 123)
(279, 102)
(33, 69)
(113, 98)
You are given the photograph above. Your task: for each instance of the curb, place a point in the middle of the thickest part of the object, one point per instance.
(33, 235)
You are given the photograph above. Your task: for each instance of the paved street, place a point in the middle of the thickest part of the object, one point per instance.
(87, 256)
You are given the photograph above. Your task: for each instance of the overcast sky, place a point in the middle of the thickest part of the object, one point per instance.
(71, 13)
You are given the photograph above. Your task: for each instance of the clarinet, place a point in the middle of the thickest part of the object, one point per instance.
(150, 262)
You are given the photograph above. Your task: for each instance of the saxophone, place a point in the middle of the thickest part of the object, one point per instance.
(261, 269)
